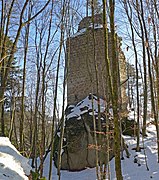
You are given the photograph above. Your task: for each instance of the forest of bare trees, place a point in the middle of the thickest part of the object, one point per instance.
(34, 69)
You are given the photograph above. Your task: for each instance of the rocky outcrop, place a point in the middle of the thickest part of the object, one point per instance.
(79, 143)
(79, 147)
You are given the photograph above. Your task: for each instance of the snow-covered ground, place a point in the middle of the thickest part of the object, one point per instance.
(12, 165)
(130, 170)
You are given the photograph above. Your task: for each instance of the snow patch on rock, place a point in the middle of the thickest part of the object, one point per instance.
(87, 105)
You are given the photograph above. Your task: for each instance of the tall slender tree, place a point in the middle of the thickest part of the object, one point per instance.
(115, 91)
(127, 7)
(150, 75)
(56, 86)
(22, 119)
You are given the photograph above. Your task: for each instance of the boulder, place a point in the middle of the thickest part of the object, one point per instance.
(129, 127)
(79, 149)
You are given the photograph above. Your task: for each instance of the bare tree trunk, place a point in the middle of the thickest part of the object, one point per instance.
(44, 89)
(150, 76)
(145, 71)
(63, 117)
(115, 93)
(22, 119)
(155, 57)
(108, 83)
(136, 68)
(98, 152)
(12, 116)
(56, 88)
(35, 117)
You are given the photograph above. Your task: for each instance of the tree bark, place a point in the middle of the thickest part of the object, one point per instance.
(115, 92)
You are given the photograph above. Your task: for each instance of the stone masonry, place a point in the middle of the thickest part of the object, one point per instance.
(86, 57)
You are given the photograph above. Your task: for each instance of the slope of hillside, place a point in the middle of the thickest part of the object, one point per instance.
(12, 165)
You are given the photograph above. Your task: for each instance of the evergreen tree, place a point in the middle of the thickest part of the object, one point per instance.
(4, 70)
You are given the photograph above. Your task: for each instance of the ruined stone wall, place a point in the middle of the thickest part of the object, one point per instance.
(83, 67)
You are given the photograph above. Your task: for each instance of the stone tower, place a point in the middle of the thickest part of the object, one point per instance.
(86, 58)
